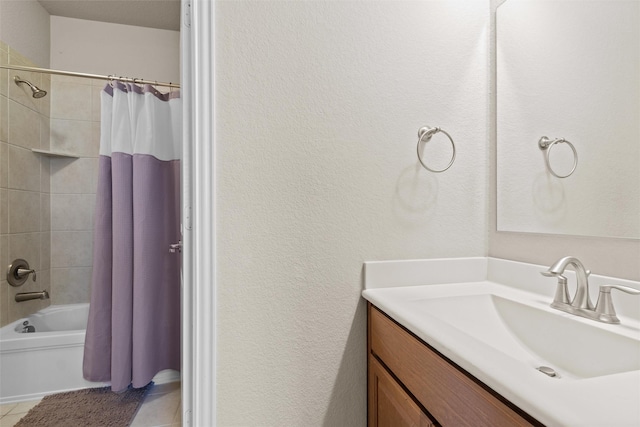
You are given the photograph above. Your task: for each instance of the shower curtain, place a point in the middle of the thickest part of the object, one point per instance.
(133, 330)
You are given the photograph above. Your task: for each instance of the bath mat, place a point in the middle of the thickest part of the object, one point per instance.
(88, 407)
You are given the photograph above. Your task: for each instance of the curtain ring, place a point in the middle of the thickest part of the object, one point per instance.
(426, 133)
(546, 144)
(111, 77)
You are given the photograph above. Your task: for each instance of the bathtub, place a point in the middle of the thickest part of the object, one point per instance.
(46, 361)
(49, 360)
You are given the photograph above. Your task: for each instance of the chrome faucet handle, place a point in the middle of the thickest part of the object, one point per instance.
(604, 307)
(18, 272)
(24, 272)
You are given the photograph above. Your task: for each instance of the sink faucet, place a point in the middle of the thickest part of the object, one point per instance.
(581, 304)
(581, 298)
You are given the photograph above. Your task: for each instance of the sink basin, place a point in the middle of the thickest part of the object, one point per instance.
(573, 348)
(498, 327)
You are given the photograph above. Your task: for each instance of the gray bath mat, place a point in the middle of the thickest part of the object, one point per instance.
(89, 407)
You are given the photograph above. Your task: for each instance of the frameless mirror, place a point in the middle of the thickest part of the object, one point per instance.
(569, 69)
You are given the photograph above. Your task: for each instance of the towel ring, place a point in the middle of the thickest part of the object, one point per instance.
(425, 134)
(546, 144)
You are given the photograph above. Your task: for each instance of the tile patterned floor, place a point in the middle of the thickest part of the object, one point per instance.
(160, 408)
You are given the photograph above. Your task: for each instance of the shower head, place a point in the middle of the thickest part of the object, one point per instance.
(37, 92)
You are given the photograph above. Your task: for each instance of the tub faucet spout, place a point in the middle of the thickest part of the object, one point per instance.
(581, 299)
(27, 296)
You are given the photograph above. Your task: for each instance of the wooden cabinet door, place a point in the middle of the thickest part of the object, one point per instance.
(389, 404)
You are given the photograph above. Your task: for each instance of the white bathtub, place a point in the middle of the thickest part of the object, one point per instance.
(49, 360)
(46, 361)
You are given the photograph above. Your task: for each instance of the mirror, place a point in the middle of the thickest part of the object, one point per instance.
(569, 69)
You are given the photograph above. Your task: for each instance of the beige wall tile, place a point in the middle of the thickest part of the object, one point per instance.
(71, 285)
(73, 175)
(4, 118)
(73, 136)
(4, 286)
(4, 165)
(70, 101)
(95, 103)
(45, 212)
(4, 252)
(99, 83)
(27, 247)
(4, 303)
(24, 169)
(45, 133)
(45, 174)
(95, 138)
(4, 78)
(43, 282)
(94, 175)
(4, 211)
(71, 249)
(45, 250)
(24, 211)
(24, 126)
(72, 212)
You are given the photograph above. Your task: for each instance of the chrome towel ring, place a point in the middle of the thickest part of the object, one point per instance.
(547, 144)
(424, 135)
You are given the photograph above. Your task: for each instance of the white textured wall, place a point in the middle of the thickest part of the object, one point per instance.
(124, 50)
(605, 256)
(24, 25)
(318, 107)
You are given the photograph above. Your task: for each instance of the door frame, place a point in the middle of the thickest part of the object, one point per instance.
(198, 214)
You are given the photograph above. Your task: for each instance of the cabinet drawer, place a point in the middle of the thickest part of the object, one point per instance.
(448, 393)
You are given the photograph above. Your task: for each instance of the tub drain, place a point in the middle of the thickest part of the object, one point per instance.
(547, 371)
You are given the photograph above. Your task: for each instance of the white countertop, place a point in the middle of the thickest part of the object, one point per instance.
(607, 400)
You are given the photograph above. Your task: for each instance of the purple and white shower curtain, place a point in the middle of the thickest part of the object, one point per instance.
(134, 316)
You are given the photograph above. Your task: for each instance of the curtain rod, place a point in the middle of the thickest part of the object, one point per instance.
(89, 76)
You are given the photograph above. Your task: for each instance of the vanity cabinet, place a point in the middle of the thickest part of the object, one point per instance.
(389, 404)
(410, 384)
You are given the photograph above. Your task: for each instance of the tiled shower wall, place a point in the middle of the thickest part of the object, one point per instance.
(75, 129)
(47, 203)
(24, 184)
